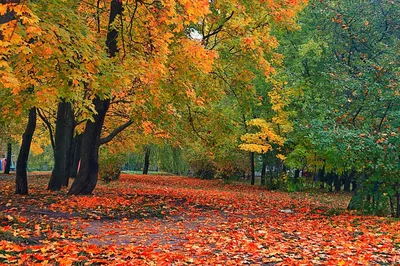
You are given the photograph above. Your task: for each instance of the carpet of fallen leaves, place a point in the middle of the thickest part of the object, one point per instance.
(171, 220)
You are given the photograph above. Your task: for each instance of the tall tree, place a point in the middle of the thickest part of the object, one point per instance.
(89, 167)
(22, 161)
(62, 150)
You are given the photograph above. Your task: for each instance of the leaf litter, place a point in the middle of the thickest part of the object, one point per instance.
(172, 220)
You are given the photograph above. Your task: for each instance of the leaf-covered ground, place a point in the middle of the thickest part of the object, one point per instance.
(170, 220)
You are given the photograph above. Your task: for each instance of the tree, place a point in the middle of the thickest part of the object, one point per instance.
(87, 176)
(62, 149)
(340, 69)
(21, 178)
(9, 159)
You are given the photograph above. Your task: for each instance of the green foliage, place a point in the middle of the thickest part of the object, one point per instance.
(110, 165)
(170, 159)
(202, 167)
(41, 162)
(342, 71)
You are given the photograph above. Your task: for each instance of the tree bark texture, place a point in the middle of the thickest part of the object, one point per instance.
(89, 167)
(62, 148)
(21, 180)
(76, 155)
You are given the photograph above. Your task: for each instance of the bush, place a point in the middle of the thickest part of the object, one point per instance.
(110, 166)
(203, 168)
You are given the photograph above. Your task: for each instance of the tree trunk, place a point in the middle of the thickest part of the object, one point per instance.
(89, 167)
(329, 181)
(63, 140)
(322, 177)
(9, 15)
(76, 155)
(347, 180)
(21, 180)
(337, 182)
(263, 173)
(146, 161)
(397, 205)
(253, 174)
(355, 202)
(296, 175)
(8, 163)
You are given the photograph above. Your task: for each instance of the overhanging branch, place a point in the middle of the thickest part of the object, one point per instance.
(115, 132)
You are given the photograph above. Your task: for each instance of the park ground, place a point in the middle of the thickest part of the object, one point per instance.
(171, 220)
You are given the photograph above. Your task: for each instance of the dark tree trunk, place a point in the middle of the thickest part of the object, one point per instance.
(8, 163)
(318, 175)
(329, 181)
(322, 176)
(253, 173)
(353, 185)
(89, 167)
(111, 42)
(62, 151)
(263, 173)
(355, 202)
(21, 180)
(337, 182)
(76, 155)
(146, 161)
(296, 175)
(8, 15)
(397, 204)
(348, 177)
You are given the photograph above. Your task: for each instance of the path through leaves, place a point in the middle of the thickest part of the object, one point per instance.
(170, 220)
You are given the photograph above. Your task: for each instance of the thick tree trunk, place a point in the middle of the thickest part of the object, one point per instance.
(8, 157)
(89, 167)
(146, 161)
(21, 180)
(253, 173)
(62, 151)
(76, 155)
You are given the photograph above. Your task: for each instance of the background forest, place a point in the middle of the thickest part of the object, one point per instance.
(304, 94)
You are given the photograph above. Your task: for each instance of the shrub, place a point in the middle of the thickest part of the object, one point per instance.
(203, 168)
(110, 166)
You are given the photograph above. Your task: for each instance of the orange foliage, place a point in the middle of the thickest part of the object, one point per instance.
(169, 220)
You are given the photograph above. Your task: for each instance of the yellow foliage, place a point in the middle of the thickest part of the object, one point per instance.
(261, 141)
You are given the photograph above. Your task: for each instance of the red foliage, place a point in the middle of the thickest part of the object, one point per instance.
(168, 220)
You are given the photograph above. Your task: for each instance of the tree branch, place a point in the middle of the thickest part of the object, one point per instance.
(49, 127)
(384, 116)
(115, 132)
